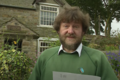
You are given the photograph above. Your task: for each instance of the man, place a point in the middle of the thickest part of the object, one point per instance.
(72, 57)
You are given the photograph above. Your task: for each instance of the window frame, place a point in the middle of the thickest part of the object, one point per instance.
(47, 5)
(44, 39)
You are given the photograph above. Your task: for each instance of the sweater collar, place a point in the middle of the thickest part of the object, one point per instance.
(79, 49)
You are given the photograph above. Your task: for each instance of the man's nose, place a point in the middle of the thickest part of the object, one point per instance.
(70, 30)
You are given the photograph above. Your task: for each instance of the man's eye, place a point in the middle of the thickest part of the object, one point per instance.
(75, 26)
(66, 26)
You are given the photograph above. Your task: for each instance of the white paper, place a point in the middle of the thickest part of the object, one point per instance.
(73, 76)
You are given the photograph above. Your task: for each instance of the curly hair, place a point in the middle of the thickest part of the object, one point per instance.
(70, 14)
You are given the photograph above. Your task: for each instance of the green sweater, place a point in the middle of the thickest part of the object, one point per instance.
(92, 61)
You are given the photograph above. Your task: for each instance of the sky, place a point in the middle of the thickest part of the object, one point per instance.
(115, 27)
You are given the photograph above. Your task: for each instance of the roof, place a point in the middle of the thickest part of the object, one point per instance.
(17, 3)
(25, 3)
(37, 1)
(57, 1)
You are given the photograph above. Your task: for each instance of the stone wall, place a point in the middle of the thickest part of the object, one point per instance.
(29, 46)
(29, 18)
(26, 17)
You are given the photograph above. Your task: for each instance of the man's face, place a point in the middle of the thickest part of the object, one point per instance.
(70, 35)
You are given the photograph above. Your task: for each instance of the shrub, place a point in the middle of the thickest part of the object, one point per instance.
(114, 59)
(111, 47)
(85, 42)
(14, 65)
(106, 43)
(95, 46)
(54, 44)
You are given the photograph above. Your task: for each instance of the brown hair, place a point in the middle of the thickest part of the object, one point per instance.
(72, 14)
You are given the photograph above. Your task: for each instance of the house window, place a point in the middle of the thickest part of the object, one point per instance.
(44, 43)
(47, 15)
(17, 44)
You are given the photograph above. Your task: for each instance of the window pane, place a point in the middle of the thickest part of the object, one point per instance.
(47, 8)
(42, 7)
(47, 15)
(41, 17)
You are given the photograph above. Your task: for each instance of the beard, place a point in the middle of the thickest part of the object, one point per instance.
(70, 46)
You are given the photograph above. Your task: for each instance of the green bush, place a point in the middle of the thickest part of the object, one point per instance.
(85, 42)
(54, 44)
(111, 47)
(95, 46)
(107, 43)
(14, 65)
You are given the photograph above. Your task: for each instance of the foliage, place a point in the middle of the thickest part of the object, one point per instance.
(55, 43)
(52, 42)
(85, 42)
(107, 43)
(101, 12)
(14, 65)
(111, 47)
(114, 59)
(115, 33)
(112, 11)
(94, 8)
(95, 46)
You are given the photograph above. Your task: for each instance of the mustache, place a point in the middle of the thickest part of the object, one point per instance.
(70, 35)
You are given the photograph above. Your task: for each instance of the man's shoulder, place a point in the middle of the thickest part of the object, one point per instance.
(92, 52)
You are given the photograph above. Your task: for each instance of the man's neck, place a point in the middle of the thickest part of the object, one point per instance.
(68, 51)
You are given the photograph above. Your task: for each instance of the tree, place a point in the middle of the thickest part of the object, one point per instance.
(112, 11)
(93, 7)
(100, 11)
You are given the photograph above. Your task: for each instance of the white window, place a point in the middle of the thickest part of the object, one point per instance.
(48, 12)
(44, 43)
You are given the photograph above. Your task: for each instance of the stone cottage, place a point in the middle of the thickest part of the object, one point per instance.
(29, 22)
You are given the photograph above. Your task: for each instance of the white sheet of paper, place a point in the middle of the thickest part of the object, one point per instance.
(73, 76)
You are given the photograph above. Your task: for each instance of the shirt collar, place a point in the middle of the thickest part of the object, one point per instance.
(79, 49)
